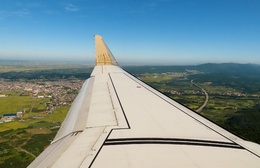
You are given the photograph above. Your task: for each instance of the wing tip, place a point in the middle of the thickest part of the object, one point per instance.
(103, 53)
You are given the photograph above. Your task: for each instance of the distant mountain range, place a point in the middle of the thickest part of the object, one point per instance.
(207, 68)
(228, 67)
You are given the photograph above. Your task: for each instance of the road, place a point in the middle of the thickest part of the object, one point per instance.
(206, 96)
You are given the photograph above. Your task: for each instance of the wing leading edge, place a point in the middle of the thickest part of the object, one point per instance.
(119, 121)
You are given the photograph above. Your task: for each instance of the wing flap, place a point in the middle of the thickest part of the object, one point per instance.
(102, 110)
(77, 115)
(148, 113)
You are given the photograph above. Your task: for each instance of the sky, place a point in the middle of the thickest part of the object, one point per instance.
(141, 32)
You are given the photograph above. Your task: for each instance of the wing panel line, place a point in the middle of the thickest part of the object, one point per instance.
(174, 141)
(128, 125)
(119, 101)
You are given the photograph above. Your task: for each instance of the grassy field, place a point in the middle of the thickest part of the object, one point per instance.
(22, 141)
(15, 102)
(156, 77)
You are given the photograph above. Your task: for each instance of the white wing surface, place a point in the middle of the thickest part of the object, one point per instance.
(118, 121)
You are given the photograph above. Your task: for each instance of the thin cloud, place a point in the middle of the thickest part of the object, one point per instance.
(20, 13)
(148, 6)
(51, 12)
(16, 13)
(71, 8)
(137, 11)
(28, 5)
(154, 3)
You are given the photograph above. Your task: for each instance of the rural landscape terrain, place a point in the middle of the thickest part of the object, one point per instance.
(36, 96)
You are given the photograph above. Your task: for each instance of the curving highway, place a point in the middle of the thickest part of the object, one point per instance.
(206, 96)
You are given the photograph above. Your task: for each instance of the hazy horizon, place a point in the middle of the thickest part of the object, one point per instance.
(85, 62)
(137, 32)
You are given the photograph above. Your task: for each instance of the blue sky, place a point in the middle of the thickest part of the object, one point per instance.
(137, 31)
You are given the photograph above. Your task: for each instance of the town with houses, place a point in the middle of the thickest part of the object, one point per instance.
(60, 93)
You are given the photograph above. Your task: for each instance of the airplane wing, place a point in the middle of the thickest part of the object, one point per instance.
(119, 121)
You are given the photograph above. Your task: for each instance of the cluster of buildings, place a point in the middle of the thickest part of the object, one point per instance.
(60, 93)
(12, 116)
